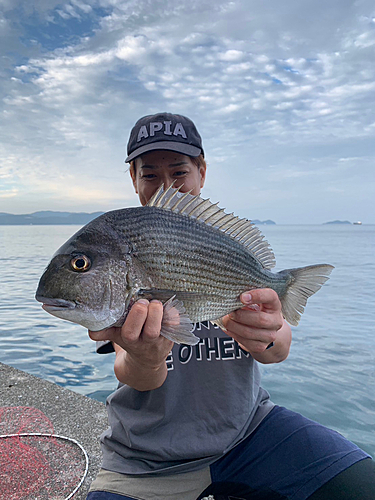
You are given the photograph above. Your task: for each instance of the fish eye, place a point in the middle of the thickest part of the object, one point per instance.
(80, 263)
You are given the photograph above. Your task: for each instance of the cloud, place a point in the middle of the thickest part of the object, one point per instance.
(231, 55)
(8, 193)
(260, 81)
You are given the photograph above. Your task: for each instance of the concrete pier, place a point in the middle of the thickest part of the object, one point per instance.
(72, 415)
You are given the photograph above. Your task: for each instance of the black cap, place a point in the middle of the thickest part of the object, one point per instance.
(164, 131)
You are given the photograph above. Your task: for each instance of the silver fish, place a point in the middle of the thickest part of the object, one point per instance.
(179, 248)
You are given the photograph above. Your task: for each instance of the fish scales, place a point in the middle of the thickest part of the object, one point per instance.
(207, 259)
(177, 246)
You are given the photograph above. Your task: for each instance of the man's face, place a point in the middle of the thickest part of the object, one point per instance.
(164, 167)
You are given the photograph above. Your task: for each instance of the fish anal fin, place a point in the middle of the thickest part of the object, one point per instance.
(219, 322)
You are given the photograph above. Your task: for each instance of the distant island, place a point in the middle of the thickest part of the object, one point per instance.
(338, 222)
(47, 217)
(263, 222)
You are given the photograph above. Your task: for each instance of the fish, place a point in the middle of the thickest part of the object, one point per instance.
(181, 249)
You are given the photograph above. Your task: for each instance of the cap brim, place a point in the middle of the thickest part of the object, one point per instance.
(178, 147)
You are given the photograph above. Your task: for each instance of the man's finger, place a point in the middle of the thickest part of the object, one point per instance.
(255, 333)
(257, 320)
(261, 296)
(106, 334)
(132, 328)
(152, 326)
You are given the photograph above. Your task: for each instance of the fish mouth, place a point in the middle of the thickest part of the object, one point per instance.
(49, 304)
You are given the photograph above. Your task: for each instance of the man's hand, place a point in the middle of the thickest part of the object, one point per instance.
(258, 324)
(141, 351)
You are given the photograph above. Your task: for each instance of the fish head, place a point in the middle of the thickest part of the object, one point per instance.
(86, 281)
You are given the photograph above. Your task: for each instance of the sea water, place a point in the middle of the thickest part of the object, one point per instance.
(329, 375)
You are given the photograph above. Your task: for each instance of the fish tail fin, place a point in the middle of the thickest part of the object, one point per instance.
(305, 282)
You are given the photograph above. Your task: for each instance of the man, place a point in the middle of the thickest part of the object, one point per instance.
(187, 422)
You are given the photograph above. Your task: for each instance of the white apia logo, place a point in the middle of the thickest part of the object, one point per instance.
(165, 126)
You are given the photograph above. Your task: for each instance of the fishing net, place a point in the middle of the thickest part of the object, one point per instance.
(35, 463)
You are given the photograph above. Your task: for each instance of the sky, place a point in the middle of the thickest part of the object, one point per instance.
(282, 93)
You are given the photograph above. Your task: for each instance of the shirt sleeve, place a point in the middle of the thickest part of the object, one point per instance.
(104, 347)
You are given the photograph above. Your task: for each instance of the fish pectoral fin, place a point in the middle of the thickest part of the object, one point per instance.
(176, 325)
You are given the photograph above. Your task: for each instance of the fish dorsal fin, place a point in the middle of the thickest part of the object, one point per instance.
(203, 210)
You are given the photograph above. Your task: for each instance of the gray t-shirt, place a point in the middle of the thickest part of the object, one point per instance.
(210, 401)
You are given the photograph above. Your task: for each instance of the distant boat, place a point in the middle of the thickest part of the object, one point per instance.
(358, 223)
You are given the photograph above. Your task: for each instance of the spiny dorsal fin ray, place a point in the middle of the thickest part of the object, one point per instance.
(209, 213)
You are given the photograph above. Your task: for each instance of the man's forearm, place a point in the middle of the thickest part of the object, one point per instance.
(138, 376)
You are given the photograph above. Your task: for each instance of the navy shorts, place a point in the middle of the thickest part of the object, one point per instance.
(287, 457)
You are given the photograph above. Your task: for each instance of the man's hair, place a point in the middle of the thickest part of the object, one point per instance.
(199, 161)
